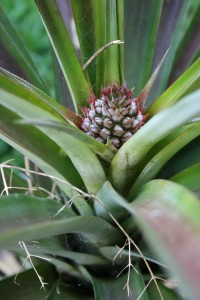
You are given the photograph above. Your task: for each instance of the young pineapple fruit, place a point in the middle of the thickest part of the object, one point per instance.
(115, 116)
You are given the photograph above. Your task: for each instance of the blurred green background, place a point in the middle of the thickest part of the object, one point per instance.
(25, 17)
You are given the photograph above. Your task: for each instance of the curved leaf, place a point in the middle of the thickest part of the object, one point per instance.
(99, 148)
(185, 158)
(68, 115)
(64, 112)
(111, 200)
(159, 160)
(40, 149)
(20, 220)
(190, 178)
(31, 98)
(137, 147)
(58, 246)
(29, 106)
(185, 84)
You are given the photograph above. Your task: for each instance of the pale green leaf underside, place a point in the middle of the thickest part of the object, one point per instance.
(169, 216)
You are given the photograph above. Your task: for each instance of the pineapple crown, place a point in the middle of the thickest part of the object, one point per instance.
(113, 117)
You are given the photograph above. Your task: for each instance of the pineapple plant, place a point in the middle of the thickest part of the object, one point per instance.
(110, 208)
(114, 117)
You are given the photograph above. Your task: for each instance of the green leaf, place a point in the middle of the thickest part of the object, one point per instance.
(158, 147)
(136, 148)
(28, 286)
(167, 293)
(141, 26)
(82, 206)
(111, 252)
(159, 160)
(29, 106)
(40, 149)
(65, 52)
(116, 288)
(68, 115)
(99, 148)
(30, 97)
(64, 267)
(185, 158)
(111, 63)
(190, 178)
(20, 220)
(146, 90)
(107, 29)
(64, 112)
(58, 246)
(120, 22)
(169, 217)
(83, 17)
(99, 13)
(69, 293)
(111, 200)
(15, 46)
(174, 23)
(186, 84)
(188, 48)
(85, 161)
